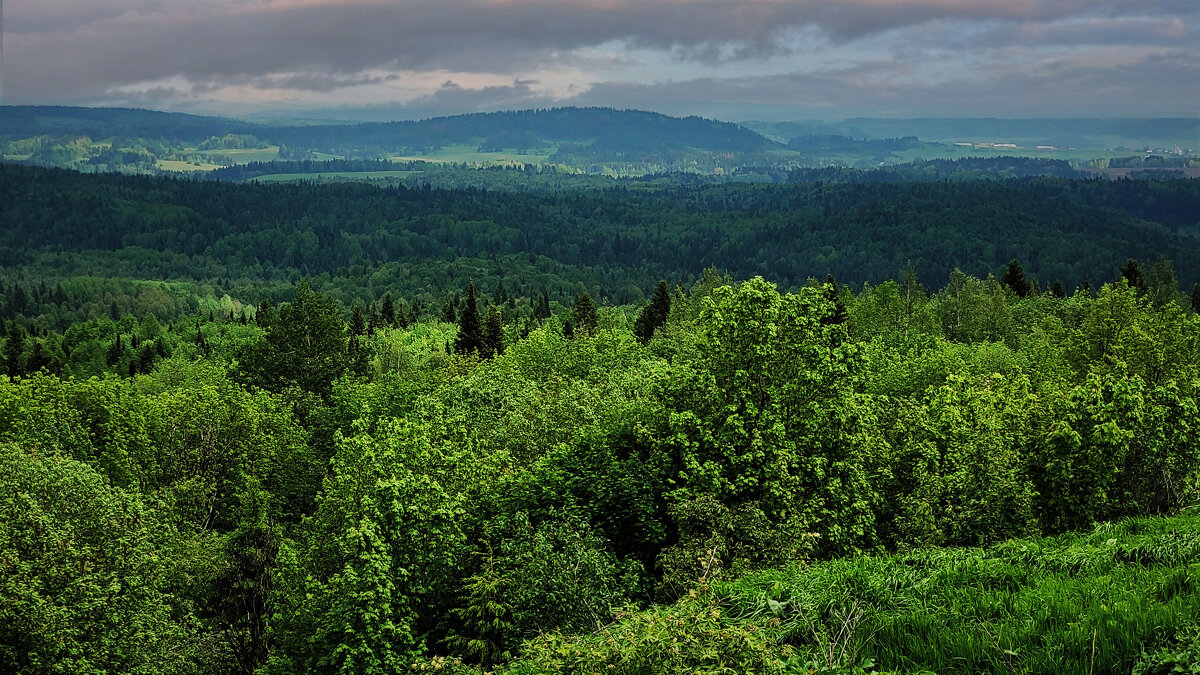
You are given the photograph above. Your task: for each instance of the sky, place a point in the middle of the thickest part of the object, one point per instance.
(728, 59)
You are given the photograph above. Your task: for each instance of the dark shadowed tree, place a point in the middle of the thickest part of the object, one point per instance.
(1131, 271)
(654, 315)
(585, 315)
(1014, 278)
(470, 328)
(493, 333)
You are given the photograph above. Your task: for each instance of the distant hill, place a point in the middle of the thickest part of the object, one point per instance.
(1081, 133)
(637, 140)
(17, 122)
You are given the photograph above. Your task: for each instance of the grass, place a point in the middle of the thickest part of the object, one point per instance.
(471, 154)
(1088, 603)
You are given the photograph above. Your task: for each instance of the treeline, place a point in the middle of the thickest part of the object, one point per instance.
(306, 487)
(963, 169)
(243, 172)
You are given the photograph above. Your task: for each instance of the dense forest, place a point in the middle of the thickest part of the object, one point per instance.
(63, 231)
(726, 478)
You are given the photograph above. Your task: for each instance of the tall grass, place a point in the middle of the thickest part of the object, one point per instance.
(1084, 603)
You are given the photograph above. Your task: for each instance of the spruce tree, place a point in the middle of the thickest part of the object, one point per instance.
(654, 315)
(388, 311)
(470, 328)
(14, 349)
(1057, 290)
(1131, 271)
(585, 315)
(448, 315)
(358, 320)
(838, 315)
(1014, 278)
(493, 333)
(1196, 298)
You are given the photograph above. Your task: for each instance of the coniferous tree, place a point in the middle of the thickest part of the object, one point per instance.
(584, 314)
(1131, 271)
(1014, 278)
(1196, 298)
(358, 320)
(470, 329)
(654, 315)
(448, 314)
(493, 333)
(388, 311)
(14, 350)
(1057, 290)
(115, 351)
(839, 314)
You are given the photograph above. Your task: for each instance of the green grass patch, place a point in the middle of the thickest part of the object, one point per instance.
(470, 153)
(1083, 603)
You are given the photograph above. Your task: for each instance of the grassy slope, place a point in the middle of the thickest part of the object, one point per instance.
(1078, 603)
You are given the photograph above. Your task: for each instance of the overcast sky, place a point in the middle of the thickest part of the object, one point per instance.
(732, 59)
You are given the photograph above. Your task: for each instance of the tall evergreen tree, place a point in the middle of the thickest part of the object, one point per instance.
(470, 328)
(1196, 297)
(1131, 271)
(388, 311)
(448, 313)
(1014, 278)
(584, 314)
(839, 314)
(654, 315)
(14, 350)
(1057, 290)
(493, 333)
(358, 320)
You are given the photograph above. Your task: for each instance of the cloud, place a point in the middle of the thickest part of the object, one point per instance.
(376, 49)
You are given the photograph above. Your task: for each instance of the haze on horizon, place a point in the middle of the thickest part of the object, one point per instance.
(743, 59)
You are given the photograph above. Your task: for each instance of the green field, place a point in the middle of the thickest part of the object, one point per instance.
(471, 153)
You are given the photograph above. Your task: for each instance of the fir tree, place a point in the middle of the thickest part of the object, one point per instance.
(1014, 278)
(14, 349)
(470, 328)
(1131, 271)
(1196, 298)
(1057, 290)
(654, 315)
(485, 619)
(838, 315)
(358, 320)
(493, 333)
(448, 315)
(388, 311)
(584, 314)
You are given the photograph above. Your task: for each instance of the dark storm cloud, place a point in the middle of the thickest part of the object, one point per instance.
(81, 48)
(1054, 88)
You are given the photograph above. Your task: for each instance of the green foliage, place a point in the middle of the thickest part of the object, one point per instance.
(304, 345)
(84, 586)
(692, 636)
(773, 418)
